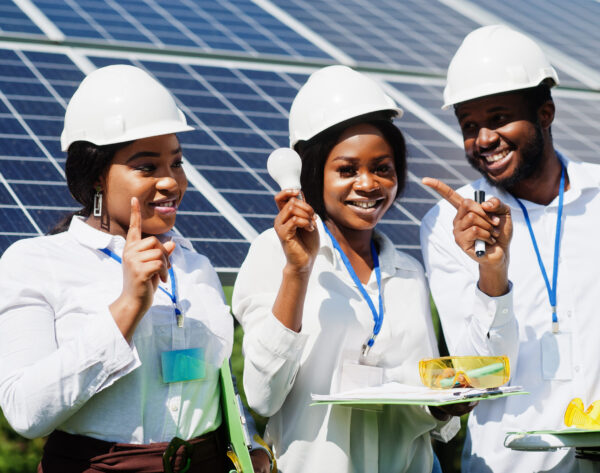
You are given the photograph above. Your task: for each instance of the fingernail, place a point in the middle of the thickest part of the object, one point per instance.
(493, 240)
(495, 220)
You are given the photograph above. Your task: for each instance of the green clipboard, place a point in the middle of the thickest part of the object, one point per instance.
(232, 416)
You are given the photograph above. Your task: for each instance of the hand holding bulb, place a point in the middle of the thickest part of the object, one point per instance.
(295, 223)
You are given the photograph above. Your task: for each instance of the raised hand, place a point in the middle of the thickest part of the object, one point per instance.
(296, 228)
(145, 262)
(491, 222)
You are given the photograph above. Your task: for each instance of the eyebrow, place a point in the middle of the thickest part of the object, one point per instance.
(352, 159)
(150, 154)
(498, 108)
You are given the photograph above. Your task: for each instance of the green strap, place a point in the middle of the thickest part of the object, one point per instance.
(231, 416)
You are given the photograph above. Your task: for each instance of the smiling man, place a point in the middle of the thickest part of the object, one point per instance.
(499, 85)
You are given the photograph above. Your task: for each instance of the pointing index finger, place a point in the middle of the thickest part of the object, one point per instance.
(134, 233)
(444, 190)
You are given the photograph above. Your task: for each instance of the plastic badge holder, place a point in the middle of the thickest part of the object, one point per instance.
(466, 371)
(576, 416)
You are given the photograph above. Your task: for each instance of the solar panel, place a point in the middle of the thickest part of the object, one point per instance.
(238, 99)
(216, 25)
(412, 35)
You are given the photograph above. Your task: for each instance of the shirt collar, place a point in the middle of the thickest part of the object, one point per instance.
(579, 177)
(389, 258)
(96, 239)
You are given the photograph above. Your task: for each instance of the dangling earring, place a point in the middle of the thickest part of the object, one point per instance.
(98, 202)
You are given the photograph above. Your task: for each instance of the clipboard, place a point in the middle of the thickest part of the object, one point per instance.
(544, 440)
(233, 418)
(402, 394)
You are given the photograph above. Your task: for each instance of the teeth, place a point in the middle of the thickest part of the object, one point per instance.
(364, 205)
(496, 157)
(170, 203)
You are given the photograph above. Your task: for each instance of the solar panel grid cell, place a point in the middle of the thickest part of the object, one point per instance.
(12, 19)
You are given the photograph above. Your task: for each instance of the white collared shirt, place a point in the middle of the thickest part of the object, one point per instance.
(65, 365)
(283, 368)
(452, 276)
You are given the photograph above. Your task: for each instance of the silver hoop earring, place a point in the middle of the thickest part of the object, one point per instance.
(98, 202)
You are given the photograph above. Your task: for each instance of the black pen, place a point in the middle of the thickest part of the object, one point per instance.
(479, 244)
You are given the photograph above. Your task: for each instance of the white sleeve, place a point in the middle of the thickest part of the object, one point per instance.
(473, 323)
(272, 352)
(41, 383)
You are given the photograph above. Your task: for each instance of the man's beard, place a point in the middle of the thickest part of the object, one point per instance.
(531, 159)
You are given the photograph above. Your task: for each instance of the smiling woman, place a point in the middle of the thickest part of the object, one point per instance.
(112, 329)
(149, 169)
(326, 301)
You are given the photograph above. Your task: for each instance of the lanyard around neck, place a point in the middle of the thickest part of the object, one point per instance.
(172, 295)
(377, 317)
(551, 289)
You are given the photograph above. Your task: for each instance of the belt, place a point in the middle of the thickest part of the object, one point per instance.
(69, 453)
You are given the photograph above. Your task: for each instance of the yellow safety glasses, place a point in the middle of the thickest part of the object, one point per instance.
(465, 371)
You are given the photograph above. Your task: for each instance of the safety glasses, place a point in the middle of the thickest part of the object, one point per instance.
(465, 371)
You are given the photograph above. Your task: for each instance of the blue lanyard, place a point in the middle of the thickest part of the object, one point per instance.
(551, 289)
(172, 295)
(377, 317)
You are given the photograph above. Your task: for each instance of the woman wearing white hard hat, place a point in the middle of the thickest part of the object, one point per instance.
(113, 330)
(326, 301)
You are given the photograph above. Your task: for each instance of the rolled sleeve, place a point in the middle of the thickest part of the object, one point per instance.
(272, 358)
(272, 352)
(280, 341)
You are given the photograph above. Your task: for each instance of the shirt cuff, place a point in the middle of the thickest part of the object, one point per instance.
(280, 340)
(446, 430)
(494, 311)
(121, 357)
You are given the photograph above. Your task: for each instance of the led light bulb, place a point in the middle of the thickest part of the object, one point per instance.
(284, 166)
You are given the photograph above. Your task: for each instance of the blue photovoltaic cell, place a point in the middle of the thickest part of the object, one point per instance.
(14, 222)
(208, 25)
(48, 218)
(13, 20)
(5, 197)
(30, 169)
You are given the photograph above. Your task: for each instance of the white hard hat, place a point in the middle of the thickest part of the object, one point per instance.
(120, 103)
(495, 59)
(332, 95)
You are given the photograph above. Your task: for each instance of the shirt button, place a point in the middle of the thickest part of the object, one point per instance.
(504, 311)
(569, 313)
(577, 369)
(174, 405)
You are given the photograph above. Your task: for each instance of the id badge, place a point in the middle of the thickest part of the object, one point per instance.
(355, 375)
(557, 360)
(183, 365)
